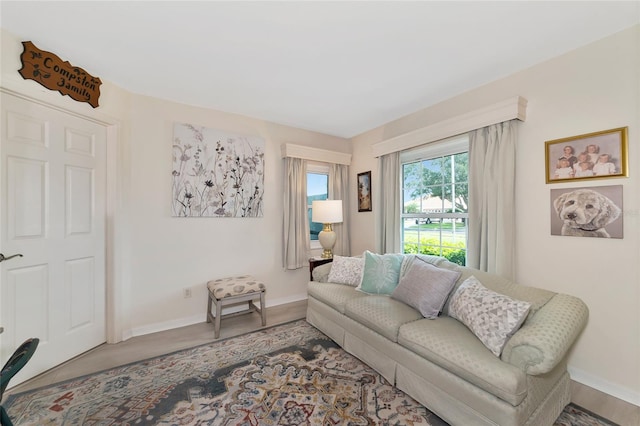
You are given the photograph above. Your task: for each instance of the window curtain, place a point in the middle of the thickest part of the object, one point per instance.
(387, 202)
(339, 189)
(296, 224)
(492, 198)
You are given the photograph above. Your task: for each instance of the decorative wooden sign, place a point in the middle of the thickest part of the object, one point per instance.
(50, 71)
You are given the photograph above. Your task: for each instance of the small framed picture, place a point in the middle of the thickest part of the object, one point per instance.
(595, 155)
(364, 191)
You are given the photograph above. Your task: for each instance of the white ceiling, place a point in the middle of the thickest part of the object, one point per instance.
(339, 68)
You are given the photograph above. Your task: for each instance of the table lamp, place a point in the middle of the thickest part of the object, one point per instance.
(326, 212)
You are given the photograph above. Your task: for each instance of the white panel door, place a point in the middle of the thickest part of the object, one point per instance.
(52, 194)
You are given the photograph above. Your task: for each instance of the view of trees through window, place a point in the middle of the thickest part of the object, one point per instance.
(435, 207)
(317, 189)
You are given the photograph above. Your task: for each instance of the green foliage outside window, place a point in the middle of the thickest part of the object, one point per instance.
(455, 255)
(412, 208)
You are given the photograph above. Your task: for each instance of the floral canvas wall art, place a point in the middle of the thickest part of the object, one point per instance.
(216, 174)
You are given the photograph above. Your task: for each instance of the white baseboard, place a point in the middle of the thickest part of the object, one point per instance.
(285, 300)
(629, 395)
(195, 319)
(167, 325)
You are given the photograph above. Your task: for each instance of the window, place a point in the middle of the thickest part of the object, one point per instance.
(317, 189)
(435, 199)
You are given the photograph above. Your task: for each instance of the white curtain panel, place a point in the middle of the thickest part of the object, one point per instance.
(296, 223)
(386, 204)
(339, 188)
(492, 198)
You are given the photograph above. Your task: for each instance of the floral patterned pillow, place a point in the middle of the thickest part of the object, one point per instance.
(381, 273)
(491, 316)
(346, 270)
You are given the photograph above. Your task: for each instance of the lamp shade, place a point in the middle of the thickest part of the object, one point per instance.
(326, 211)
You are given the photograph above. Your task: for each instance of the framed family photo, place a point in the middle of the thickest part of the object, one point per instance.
(597, 155)
(364, 191)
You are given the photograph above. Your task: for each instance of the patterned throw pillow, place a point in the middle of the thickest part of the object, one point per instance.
(425, 287)
(346, 270)
(381, 273)
(491, 316)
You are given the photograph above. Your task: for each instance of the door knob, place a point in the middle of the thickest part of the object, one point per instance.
(3, 258)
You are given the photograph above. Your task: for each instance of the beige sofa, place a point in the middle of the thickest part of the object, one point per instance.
(443, 365)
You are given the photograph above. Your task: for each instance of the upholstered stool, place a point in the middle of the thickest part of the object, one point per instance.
(232, 291)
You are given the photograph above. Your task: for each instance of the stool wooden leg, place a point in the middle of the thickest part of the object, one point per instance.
(209, 305)
(217, 319)
(263, 311)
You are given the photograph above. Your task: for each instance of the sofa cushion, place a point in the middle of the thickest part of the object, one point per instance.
(450, 345)
(491, 316)
(425, 287)
(346, 270)
(334, 295)
(381, 272)
(382, 314)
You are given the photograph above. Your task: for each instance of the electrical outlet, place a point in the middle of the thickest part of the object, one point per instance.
(187, 293)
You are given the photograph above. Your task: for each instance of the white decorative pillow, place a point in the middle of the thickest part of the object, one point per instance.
(425, 287)
(491, 316)
(346, 270)
(381, 273)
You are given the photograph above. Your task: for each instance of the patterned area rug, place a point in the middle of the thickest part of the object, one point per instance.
(285, 375)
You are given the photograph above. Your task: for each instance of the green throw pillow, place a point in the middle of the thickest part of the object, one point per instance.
(381, 273)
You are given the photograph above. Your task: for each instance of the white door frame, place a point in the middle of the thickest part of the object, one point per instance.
(117, 317)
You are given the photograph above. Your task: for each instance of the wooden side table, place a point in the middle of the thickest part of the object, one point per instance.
(314, 262)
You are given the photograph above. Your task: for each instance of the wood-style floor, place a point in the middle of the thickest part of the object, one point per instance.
(138, 348)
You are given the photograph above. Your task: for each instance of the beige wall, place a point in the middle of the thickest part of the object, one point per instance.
(172, 253)
(593, 88)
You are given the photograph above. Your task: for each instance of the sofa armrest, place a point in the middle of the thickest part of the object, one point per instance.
(321, 273)
(546, 336)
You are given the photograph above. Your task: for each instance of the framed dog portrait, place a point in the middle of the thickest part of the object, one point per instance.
(595, 155)
(587, 212)
(364, 191)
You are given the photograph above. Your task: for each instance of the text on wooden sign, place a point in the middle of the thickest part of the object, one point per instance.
(50, 71)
